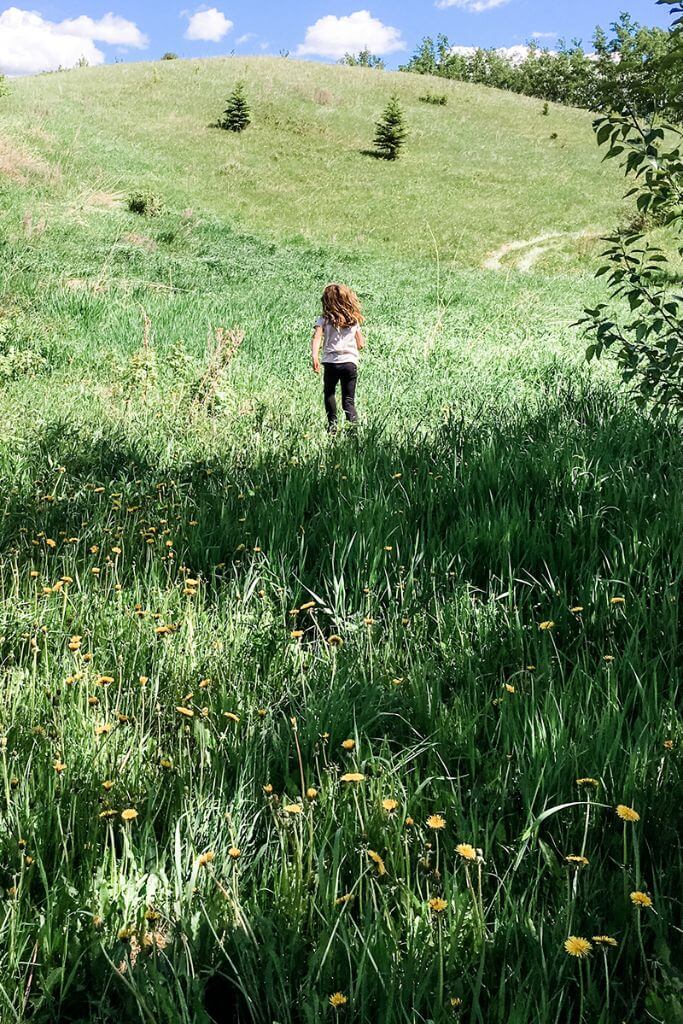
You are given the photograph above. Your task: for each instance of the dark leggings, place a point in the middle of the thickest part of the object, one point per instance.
(345, 374)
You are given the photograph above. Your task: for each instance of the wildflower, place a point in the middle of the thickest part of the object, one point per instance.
(338, 999)
(102, 730)
(668, 744)
(231, 716)
(335, 640)
(110, 813)
(206, 858)
(627, 813)
(75, 643)
(346, 898)
(388, 547)
(456, 1003)
(604, 940)
(641, 899)
(577, 946)
(376, 859)
(389, 805)
(188, 712)
(296, 634)
(509, 688)
(397, 681)
(466, 851)
(268, 789)
(436, 822)
(59, 766)
(104, 681)
(576, 609)
(234, 853)
(292, 808)
(409, 822)
(548, 624)
(588, 782)
(353, 777)
(573, 858)
(609, 658)
(129, 814)
(618, 600)
(108, 784)
(437, 904)
(311, 793)
(305, 607)
(348, 744)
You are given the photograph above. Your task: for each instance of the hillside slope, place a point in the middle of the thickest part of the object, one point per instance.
(483, 171)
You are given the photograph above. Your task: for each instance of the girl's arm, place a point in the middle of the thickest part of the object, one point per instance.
(360, 340)
(315, 348)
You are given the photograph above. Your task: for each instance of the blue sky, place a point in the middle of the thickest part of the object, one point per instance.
(44, 33)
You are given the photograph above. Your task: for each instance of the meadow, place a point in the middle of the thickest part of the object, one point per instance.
(298, 729)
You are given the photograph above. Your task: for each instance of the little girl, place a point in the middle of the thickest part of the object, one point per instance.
(339, 331)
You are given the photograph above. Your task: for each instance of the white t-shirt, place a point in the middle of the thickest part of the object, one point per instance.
(339, 343)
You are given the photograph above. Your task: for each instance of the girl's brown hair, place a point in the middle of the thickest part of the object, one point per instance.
(341, 306)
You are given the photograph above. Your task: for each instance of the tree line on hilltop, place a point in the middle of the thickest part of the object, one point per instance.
(628, 67)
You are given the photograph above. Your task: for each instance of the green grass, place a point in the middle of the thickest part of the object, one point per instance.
(476, 174)
(496, 483)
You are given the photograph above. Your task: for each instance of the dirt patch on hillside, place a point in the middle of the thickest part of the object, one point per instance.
(527, 252)
(18, 163)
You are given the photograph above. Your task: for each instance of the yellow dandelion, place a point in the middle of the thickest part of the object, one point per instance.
(187, 712)
(346, 898)
(641, 899)
(59, 766)
(353, 777)
(231, 716)
(335, 640)
(338, 999)
(234, 853)
(376, 859)
(206, 858)
(456, 1002)
(296, 634)
(548, 624)
(389, 805)
(292, 808)
(627, 813)
(409, 822)
(509, 688)
(107, 784)
(576, 946)
(348, 744)
(618, 600)
(466, 851)
(268, 789)
(129, 814)
(604, 940)
(574, 858)
(437, 904)
(668, 744)
(588, 782)
(305, 607)
(576, 609)
(311, 793)
(436, 822)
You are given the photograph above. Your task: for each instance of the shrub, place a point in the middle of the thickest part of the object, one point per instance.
(364, 59)
(391, 131)
(236, 117)
(170, 56)
(145, 204)
(437, 100)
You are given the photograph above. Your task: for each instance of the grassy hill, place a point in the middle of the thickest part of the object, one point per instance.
(486, 169)
(266, 693)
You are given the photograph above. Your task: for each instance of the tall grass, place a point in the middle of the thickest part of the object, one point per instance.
(287, 717)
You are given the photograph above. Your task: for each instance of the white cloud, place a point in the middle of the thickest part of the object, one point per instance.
(544, 35)
(475, 6)
(246, 38)
(29, 43)
(208, 26)
(334, 37)
(515, 55)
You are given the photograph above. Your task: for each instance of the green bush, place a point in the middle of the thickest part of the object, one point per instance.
(145, 204)
(436, 99)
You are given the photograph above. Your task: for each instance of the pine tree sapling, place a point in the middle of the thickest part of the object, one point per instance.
(391, 131)
(236, 117)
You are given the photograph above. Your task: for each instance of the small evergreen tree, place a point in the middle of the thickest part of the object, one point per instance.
(391, 131)
(236, 117)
